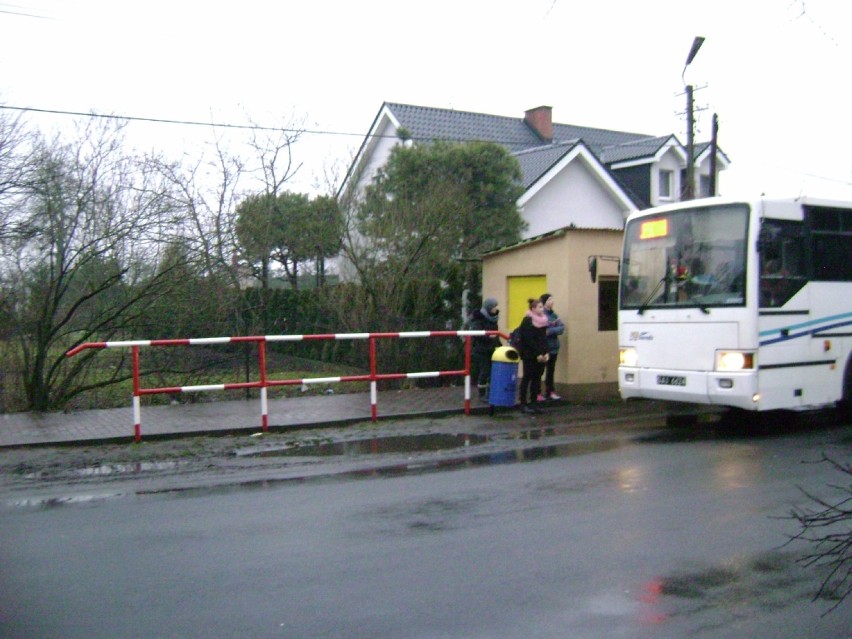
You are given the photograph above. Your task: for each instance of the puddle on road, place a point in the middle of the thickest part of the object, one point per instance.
(434, 443)
(69, 500)
(110, 470)
(460, 451)
(462, 459)
(766, 581)
(376, 446)
(451, 452)
(527, 454)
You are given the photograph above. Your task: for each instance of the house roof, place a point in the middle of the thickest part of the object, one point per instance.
(537, 156)
(544, 237)
(536, 162)
(597, 139)
(611, 147)
(704, 147)
(633, 150)
(430, 123)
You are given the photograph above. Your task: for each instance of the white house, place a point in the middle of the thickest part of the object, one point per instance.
(573, 175)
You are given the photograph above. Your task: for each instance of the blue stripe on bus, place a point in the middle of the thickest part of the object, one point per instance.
(789, 332)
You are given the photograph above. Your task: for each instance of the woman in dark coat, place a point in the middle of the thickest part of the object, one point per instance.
(532, 337)
(555, 328)
(484, 319)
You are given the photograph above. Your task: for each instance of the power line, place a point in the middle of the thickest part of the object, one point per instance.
(223, 125)
(11, 9)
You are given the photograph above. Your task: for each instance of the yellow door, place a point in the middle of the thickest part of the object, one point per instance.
(520, 290)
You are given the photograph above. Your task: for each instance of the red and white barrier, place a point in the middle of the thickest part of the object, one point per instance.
(264, 382)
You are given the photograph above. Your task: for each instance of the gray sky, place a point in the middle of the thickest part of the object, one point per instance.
(775, 71)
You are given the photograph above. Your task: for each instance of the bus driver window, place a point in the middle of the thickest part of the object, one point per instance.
(781, 262)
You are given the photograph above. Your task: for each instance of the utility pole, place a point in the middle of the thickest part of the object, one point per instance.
(714, 144)
(689, 188)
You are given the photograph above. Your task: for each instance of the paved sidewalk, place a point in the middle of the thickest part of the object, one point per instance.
(243, 416)
(116, 424)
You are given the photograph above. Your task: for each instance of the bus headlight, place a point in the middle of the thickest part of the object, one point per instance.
(627, 356)
(728, 361)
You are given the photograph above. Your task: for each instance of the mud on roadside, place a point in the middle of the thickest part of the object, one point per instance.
(99, 463)
(204, 459)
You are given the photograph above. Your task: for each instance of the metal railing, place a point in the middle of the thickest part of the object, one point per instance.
(265, 382)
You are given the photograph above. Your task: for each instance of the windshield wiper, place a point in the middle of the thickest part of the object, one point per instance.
(644, 305)
(647, 301)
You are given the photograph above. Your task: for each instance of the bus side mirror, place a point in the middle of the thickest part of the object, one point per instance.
(593, 268)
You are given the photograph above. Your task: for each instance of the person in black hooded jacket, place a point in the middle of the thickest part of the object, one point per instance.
(483, 319)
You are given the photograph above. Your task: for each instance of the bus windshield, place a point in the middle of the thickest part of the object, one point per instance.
(688, 258)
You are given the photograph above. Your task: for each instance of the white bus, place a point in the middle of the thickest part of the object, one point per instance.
(744, 304)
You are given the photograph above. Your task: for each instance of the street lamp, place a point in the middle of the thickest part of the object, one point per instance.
(689, 188)
(696, 45)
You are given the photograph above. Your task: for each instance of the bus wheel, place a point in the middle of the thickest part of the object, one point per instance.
(844, 410)
(844, 406)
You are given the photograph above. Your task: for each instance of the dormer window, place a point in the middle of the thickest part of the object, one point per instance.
(666, 184)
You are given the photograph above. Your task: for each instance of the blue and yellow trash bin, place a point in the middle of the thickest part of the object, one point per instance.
(504, 376)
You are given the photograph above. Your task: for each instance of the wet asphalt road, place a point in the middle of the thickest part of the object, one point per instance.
(606, 533)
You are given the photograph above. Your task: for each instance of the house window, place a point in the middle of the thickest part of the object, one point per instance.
(704, 186)
(607, 303)
(666, 186)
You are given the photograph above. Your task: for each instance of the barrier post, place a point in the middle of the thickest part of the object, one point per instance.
(264, 403)
(467, 341)
(137, 404)
(373, 386)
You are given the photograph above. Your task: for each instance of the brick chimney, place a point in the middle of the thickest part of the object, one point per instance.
(540, 120)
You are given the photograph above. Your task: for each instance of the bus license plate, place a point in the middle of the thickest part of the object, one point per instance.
(671, 380)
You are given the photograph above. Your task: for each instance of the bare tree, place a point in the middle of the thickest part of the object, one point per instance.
(273, 156)
(205, 194)
(274, 166)
(827, 527)
(15, 165)
(88, 225)
(209, 191)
